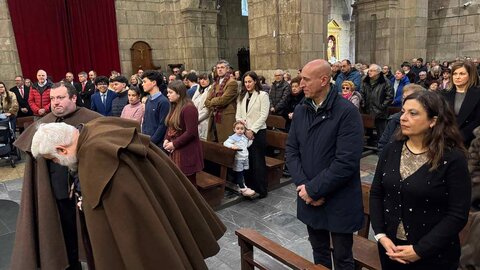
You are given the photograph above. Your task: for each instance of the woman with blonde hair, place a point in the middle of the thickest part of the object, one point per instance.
(348, 92)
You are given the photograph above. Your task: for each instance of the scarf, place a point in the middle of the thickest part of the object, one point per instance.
(348, 95)
(217, 111)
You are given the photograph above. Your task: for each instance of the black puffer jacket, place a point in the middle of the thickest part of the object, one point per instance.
(377, 97)
(278, 95)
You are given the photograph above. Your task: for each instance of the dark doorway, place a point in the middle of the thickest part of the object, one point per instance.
(243, 55)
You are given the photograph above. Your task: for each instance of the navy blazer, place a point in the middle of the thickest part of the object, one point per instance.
(97, 105)
(323, 152)
(468, 117)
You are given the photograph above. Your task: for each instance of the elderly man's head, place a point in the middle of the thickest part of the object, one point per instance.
(58, 142)
(278, 75)
(374, 71)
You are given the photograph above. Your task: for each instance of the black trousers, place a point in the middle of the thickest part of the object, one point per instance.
(256, 176)
(342, 248)
(380, 125)
(68, 219)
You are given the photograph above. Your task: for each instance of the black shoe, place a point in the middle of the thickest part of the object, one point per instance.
(261, 196)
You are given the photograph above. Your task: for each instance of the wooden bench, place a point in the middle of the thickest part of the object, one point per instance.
(248, 238)
(393, 110)
(275, 122)
(210, 186)
(24, 122)
(275, 164)
(365, 251)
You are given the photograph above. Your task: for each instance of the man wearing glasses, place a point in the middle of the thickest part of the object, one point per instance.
(102, 100)
(47, 224)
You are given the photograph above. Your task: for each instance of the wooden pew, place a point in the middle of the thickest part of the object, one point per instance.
(24, 122)
(277, 140)
(210, 186)
(365, 251)
(275, 122)
(248, 238)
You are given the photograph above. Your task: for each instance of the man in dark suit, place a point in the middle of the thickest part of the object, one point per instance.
(86, 90)
(21, 92)
(101, 101)
(327, 176)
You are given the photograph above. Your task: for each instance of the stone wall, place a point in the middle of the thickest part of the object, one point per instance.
(179, 32)
(453, 30)
(232, 31)
(390, 32)
(9, 61)
(286, 34)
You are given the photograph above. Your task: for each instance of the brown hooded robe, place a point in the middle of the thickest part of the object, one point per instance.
(39, 239)
(141, 211)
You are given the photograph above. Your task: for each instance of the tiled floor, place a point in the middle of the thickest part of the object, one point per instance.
(274, 217)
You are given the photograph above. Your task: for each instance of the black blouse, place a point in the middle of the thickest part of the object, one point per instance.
(433, 205)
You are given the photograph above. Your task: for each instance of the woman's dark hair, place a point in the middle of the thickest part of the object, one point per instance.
(136, 90)
(262, 79)
(255, 78)
(8, 98)
(173, 117)
(296, 80)
(444, 135)
(471, 70)
(205, 76)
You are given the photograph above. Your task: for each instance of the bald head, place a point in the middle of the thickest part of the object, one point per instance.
(41, 76)
(316, 80)
(319, 67)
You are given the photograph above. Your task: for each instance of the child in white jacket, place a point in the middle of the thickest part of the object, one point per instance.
(238, 141)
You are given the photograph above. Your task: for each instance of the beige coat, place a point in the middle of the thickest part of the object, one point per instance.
(11, 107)
(198, 100)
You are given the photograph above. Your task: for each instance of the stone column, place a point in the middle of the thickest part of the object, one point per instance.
(286, 34)
(390, 32)
(200, 36)
(9, 61)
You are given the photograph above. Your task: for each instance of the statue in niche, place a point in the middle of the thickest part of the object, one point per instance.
(332, 49)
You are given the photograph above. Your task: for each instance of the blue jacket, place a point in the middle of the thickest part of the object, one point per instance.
(354, 76)
(397, 99)
(323, 152)
(97, 105)
(154, 119)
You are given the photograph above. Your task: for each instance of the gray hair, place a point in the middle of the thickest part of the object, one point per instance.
(375, 66)
(224, 62)
(49, 136)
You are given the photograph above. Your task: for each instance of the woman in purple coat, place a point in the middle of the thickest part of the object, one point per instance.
(182, 140)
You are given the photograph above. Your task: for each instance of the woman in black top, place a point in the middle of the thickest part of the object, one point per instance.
(464, 98)
(420, 194)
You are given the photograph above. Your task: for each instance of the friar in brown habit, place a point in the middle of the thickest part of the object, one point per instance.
(39, 239)
(141, 211)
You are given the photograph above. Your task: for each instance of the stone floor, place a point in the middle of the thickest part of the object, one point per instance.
(274, 217)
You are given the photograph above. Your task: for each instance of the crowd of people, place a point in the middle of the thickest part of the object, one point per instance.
(420, 197)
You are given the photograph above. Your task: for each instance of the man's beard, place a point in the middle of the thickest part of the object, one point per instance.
(68, 161)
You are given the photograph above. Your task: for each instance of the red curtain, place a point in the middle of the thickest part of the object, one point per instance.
(65, 35)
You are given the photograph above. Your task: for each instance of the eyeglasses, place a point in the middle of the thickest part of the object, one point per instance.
(277, 75)
(346, 87)
(102, 84)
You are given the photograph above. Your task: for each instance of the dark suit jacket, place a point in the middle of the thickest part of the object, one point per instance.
(468, 117)
(22, 101)
(433, 205)
(84, 97)
(97, 105)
